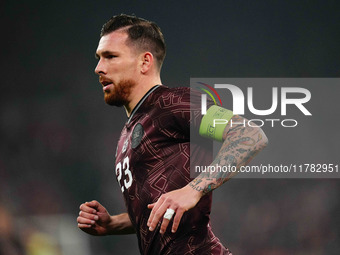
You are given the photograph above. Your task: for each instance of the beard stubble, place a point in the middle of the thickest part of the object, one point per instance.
(120, 94)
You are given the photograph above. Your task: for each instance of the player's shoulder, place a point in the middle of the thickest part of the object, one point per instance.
(175, 91)
(164, 93)
(166, 98)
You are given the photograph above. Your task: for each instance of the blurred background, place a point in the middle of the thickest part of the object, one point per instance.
(57, 136)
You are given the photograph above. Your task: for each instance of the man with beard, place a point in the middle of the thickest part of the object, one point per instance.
(152, 166)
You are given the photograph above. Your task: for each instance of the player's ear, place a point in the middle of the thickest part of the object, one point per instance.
(147, 62)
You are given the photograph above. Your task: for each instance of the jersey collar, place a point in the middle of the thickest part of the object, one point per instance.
(141, 102)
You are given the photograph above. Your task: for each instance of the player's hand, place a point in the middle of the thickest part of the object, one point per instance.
(93, 218)
(180, 200)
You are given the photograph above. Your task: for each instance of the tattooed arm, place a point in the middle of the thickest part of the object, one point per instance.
(240, 146)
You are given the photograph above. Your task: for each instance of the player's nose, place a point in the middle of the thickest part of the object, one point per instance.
(100, 68)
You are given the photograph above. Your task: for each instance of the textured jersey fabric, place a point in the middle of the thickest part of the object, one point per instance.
(152, 158)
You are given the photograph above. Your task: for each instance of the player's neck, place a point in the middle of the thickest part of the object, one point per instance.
(139, 91)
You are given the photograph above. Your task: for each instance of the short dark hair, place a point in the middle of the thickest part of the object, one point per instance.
(143, 34)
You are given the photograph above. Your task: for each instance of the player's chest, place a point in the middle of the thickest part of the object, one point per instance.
(133, 138)
(135, 152)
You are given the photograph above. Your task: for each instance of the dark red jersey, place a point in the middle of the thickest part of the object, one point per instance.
(152, 158)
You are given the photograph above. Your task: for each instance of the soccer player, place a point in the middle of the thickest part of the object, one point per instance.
(168, 210)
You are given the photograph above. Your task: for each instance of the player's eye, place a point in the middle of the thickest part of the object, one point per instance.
(111, 56)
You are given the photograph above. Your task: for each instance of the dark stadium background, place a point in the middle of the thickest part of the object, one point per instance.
(57, 136)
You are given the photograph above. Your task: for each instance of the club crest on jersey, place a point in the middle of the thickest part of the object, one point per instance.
(137, 135)
(125, 145)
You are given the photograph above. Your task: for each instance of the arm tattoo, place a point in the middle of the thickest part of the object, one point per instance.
(240, 146)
